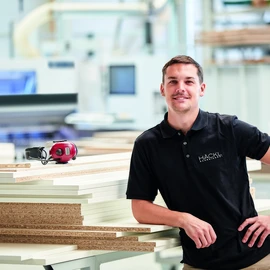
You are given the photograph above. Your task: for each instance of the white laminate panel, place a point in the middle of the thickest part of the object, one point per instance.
(20, 252)
(262, 205)
(253, 165)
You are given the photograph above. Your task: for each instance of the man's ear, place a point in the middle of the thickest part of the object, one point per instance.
(162, 89)
(202, 90)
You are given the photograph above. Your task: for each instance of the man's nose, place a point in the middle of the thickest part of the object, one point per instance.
(180, 87)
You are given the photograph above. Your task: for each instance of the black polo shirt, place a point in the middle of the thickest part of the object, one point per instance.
(203, 173)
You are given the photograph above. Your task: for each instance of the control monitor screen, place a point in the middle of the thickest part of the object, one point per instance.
(122, 79)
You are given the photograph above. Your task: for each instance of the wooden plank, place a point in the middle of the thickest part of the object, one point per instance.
(84, 141)
(97, 179)
(106, 204)
(62, 168)
(63, 233)
(38, 207)
(106, 193)
(66, 212)
(99, 151)
(78, 172)
(64, 220)
(77, 187)
(246, 36)
(98, 244)
(98, 238)
(41, 219)
(108, 197)
(99, 191)
(117, 134)
(72, 183)
(64, 209)
(42, 175)
(95, 197)
(21, 252)
(118, 190)
(95, 144)
(93, 216)
(82, 179)
(105, 211)
(61, 256)
(174, 232)
(100, 217)
(147, 246)
(79, 161)
(167, 246)
(39, 199)
(127, 226)
(14, 165)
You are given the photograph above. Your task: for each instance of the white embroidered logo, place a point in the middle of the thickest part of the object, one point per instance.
(210, 156)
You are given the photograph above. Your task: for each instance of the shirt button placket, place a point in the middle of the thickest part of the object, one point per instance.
(185, 149)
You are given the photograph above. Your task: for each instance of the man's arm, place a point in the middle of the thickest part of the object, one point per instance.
(260, 225)
(198, 230)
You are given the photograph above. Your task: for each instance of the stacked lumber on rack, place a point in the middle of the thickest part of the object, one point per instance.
(236, 37)
(107, 142)
(81, 203)
(93, 146)
(127, 136)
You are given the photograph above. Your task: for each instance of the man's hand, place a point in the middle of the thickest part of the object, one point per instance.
(260, 228)
(201, 232)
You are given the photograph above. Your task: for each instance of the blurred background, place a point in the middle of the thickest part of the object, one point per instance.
(69, 69)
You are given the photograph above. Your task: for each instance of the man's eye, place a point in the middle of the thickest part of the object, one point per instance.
(173, 81)
(189, 82)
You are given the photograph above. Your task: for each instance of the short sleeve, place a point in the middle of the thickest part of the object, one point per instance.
(141, 181)
(250, 141)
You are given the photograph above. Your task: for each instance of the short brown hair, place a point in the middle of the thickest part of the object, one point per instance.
(183, 59)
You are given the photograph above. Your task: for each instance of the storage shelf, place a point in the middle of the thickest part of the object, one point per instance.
(245, 39)
(219, 15)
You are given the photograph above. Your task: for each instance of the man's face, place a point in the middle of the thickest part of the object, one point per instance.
(182, 88)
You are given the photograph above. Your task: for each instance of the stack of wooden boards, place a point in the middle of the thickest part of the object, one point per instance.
(81, 203)
(93, 146)
(107, 142)
(125, 136)
(236, 37)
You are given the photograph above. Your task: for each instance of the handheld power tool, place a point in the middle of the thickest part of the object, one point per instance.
(61, 152)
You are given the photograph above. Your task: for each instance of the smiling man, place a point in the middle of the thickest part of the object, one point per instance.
(197, 161)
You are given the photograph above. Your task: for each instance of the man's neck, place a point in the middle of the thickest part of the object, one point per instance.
(182, 120)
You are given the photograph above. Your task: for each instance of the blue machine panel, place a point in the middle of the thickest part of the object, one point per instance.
(17, 82)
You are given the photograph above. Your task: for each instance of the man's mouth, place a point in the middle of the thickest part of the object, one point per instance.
(180, 97)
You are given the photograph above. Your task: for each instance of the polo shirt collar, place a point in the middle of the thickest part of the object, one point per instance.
(167, 131)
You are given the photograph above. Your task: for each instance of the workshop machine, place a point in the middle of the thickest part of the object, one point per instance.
(61, 152)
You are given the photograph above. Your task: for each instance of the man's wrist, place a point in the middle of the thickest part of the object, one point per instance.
(181, 219)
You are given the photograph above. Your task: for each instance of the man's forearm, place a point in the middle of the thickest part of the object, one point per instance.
(150, 213)
(198, 230)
